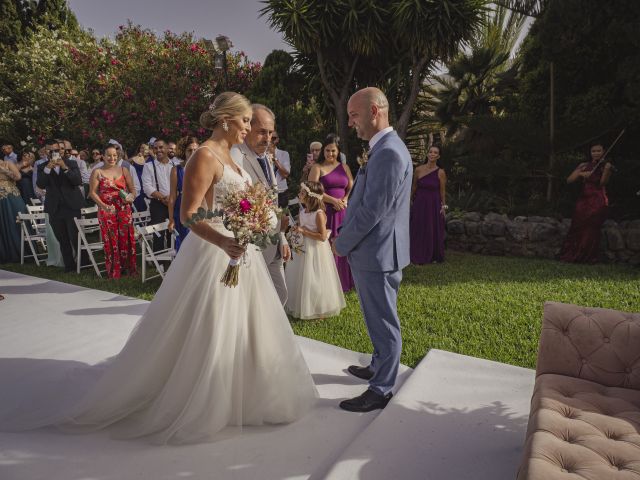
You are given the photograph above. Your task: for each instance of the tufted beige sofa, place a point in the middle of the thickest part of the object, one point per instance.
(585, 411)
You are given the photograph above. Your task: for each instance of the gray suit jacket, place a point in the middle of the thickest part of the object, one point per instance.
(248, 160)
(375, 230)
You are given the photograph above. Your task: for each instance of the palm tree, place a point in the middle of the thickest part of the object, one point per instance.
(481, 74)
(391, 44)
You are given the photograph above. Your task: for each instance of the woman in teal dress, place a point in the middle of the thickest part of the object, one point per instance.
(11, 204)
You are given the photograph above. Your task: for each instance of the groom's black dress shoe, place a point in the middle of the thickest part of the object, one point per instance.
(366, 402)
(364, 373)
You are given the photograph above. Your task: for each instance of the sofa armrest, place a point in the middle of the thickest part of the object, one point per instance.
(595, 344)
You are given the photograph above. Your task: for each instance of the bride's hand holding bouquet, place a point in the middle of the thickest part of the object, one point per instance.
(252, 215)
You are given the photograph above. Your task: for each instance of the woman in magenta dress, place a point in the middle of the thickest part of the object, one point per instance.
(582, 244)
(337, 181)
(107, 186)
(428, 208)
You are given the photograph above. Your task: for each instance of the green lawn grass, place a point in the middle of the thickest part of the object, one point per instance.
(488, 307)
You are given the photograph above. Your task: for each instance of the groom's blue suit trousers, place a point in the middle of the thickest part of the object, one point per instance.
(378, 294)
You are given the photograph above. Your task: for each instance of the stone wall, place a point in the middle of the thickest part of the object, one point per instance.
(494, 234)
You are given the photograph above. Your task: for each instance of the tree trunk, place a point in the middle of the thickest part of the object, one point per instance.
(339, 95)
(416, 84)
(552, 127)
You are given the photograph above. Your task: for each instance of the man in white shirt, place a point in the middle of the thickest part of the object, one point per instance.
(9, 154)
(156, 177)
(282, 166)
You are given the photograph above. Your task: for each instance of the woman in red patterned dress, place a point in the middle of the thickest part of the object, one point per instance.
(582, 244)
(108, 186)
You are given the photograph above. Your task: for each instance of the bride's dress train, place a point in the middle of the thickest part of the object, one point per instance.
(204, 356)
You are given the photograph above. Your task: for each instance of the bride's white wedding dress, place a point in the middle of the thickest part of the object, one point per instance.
(204, 356)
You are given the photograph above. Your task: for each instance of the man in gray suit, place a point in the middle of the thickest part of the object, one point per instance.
(252, 156)
(375, 238)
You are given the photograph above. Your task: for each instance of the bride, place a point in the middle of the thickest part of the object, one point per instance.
(204, 356)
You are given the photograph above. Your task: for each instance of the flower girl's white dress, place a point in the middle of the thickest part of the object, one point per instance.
(313, 284)
(204, 356)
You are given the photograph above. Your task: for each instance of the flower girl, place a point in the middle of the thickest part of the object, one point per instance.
(312, 279)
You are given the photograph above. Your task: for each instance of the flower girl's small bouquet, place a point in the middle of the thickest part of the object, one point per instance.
(295, 240)
(252, 215)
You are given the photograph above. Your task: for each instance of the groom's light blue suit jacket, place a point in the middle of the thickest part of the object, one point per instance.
(375, 230)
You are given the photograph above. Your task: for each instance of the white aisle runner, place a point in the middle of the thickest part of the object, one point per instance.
(42, 319)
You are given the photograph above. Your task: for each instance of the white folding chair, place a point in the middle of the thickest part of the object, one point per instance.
(30, 235)
(39, 226)
(35, 201)
(141, 219)
(165, 255)
(88, 211)
(86, 226)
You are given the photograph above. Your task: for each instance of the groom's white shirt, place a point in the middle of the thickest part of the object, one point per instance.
(378, 136)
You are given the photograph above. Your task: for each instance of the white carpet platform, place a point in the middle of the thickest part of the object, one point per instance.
(453, 417)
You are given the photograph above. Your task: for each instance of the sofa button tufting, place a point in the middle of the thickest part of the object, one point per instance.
(628, 370)
(605, 340)
(584, 360)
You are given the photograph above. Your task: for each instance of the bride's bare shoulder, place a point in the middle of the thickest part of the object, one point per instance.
(206, 158)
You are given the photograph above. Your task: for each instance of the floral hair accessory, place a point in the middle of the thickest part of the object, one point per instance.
(308, 191)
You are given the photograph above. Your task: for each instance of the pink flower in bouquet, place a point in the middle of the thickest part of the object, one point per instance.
(245, 205)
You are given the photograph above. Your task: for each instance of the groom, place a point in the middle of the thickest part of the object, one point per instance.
(252, 156)
(375, 238)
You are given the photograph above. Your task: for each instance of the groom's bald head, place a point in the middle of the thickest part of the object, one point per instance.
(368, 111)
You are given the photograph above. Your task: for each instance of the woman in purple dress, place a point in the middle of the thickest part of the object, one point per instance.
(337, 181)
(428, 207)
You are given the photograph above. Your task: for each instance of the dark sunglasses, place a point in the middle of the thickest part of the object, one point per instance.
(53, 150)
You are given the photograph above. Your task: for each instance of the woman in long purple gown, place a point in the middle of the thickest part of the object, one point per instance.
(427, 224)
(337, 181)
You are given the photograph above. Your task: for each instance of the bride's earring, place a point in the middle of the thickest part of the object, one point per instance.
(225, 126)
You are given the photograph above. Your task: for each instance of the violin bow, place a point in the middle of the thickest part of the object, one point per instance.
(608, 150)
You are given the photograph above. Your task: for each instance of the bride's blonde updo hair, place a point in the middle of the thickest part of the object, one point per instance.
(227, 104)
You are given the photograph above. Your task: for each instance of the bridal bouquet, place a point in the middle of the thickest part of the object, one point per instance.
(251, 214)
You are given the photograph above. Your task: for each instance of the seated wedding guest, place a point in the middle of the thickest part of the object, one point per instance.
(11, 204)
(63, 201)
(112, 190)
(337, 181)
(185, 148)
(428, 209)
(582, 243)
(156, 184)
(312, 279)
(9, 154)
(137, 162)
(312, 158)
(282, 167)
(25, 184)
